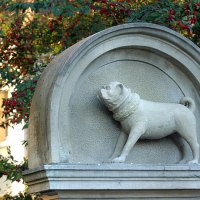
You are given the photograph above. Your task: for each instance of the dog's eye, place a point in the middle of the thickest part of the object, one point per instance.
(107, 87)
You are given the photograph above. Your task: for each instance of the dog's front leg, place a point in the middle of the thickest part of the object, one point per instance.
(119, 145)
(136, 132)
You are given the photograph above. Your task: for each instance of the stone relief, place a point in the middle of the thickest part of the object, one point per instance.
(142, 119)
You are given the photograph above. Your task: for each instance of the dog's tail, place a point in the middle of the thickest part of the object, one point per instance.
(188, 102)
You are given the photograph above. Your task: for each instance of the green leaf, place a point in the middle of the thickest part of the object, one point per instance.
(25, 126)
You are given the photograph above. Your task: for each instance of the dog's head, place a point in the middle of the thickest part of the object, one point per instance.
(113, 94)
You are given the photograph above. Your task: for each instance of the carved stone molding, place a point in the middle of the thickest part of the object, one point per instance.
(117, 180)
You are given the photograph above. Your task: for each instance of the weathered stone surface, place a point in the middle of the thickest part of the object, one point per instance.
(69, 125)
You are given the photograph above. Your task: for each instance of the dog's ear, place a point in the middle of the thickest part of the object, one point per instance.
(121, 86)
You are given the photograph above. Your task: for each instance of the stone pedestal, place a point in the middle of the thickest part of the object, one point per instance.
(116, 181)
(72, 135)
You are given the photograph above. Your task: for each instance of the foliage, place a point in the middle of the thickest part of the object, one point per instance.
(22, 196)
(32, 33)
(183, 18)
(17, 107)
(11, 168)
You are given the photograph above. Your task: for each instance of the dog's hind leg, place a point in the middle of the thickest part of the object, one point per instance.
(186, 127)
(195, 149)
(189, 134)
(136, 132)
(182, 146)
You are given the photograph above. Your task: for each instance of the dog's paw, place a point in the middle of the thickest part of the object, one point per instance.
(193, 161)
(118, 160)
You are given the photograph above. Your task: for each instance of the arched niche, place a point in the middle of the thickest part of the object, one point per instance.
(68, 124)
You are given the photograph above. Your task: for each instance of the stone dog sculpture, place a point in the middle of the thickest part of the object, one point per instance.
(149, 120)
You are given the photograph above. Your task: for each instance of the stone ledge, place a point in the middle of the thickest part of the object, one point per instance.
(105, 177)
(125, 195)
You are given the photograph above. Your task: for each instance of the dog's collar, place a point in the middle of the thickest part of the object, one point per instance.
(127, 108)
(122, 101)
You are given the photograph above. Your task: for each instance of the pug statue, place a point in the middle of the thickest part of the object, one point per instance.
(142, 119)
